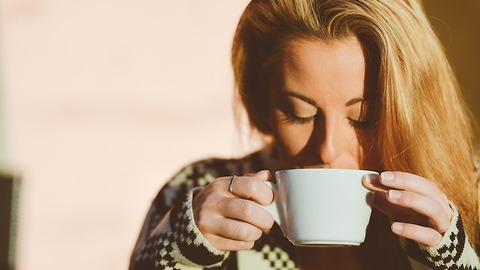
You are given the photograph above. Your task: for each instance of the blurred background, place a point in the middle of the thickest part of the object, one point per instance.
(101, 102)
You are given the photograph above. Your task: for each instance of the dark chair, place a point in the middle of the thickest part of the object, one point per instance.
(9, 193)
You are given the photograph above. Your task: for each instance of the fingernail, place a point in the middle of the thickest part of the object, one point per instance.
(394, 194)
(397, 227)
(370, 178)
(265, 173)
(387, 176)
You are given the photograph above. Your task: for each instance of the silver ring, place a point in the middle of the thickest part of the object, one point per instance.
(230, 186)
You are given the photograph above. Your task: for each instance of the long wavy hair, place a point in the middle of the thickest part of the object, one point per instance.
(422, 124)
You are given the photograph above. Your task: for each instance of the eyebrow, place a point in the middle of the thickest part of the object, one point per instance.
(354, 101)
(312, 102)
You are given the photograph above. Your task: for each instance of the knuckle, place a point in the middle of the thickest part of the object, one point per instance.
(413, 231)
(246, 209)
(202, 213)
(219, 183)
(443, 228)
(432, 186)
(446, 202)
(209, 203)
(408, 230)
(407, 199)
(443, 222)
(241, 233)
(438, 210)
(445, 198)
(200, 220)
(215, 183)
(399, 178)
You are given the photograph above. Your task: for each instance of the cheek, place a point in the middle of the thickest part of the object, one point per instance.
(353, 150)
(370, 152)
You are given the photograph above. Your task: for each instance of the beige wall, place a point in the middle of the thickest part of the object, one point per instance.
(105, 100)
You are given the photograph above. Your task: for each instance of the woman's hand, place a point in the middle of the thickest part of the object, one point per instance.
(234, 220)
(420, 211)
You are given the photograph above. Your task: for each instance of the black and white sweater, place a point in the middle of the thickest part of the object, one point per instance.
(169, 238)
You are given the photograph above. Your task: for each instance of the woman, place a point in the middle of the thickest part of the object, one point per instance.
(360, 84)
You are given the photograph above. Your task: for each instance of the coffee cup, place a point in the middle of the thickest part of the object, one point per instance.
(321, 207)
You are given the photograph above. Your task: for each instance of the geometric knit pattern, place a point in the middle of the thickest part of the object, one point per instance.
(169, 238)
(176, 243)
(448, 255)
(453, 252)
(184, 243)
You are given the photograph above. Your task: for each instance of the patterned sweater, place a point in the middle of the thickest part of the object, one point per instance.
(169, 238)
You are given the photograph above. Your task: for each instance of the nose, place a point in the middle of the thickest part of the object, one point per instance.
(330, 140)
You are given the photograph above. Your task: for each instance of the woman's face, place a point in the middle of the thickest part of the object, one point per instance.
(321, 109)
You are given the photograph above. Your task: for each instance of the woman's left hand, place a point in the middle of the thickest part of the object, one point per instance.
(419, 209)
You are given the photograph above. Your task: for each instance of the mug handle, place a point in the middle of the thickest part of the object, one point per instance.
(272, 208)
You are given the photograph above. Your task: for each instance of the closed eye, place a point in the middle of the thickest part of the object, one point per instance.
(360, 124)
(292, 119)
(297, 111)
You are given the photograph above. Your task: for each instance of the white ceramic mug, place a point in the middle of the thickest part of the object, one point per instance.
(321, 206)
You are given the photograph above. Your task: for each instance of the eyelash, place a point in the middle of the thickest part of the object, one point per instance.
(290, 118)
(359, 124)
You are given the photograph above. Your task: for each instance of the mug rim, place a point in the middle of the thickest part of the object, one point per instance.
(328, 169)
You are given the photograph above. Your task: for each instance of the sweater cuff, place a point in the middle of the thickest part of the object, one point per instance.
(194, 250)
(454, 249)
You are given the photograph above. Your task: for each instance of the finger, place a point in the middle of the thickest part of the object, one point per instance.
(393, 211)
(372, 182)
(253, 187)
(224, 244)
(212, 223)
(415, 183)
(236, 230)
(420, 234)
(436, 215)
(412, 182)
(247, 211)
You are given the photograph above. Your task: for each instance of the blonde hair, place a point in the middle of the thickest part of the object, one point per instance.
(423, 126)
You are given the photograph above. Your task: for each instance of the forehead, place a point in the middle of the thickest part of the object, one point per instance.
(316, 51)
(320, 68)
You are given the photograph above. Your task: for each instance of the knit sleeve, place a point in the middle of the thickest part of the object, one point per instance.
(169, 238)
(454, 250)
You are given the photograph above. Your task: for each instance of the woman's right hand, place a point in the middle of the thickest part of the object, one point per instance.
(234, 220)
